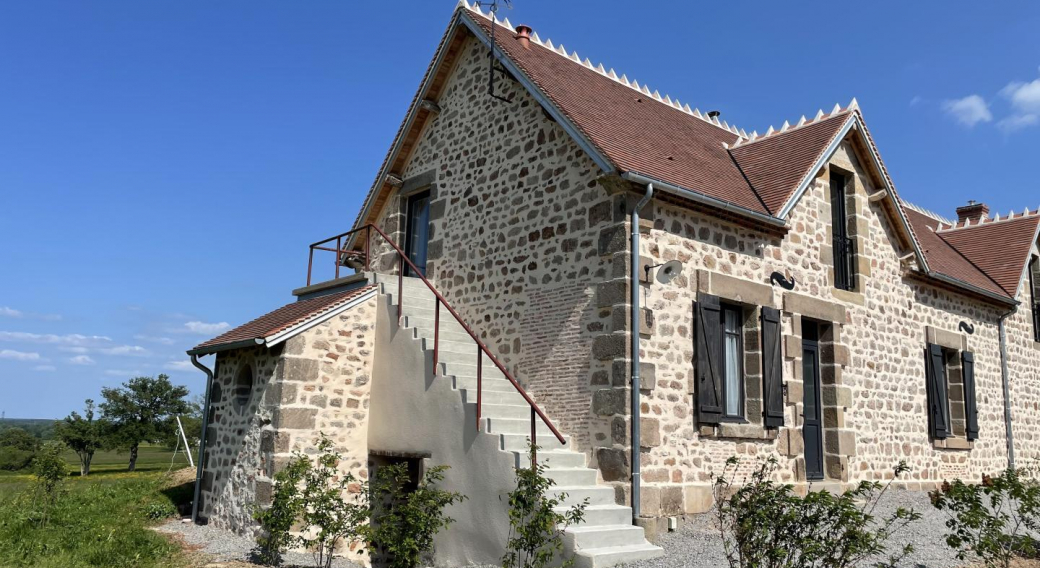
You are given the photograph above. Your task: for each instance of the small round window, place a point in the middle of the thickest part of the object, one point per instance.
(243, 387)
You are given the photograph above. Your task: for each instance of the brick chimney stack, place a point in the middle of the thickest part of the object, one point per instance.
(973, 211)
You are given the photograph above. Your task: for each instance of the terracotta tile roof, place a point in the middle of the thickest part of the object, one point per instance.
(998, 248)
(944, 258)
(776, 165)
(281, 319)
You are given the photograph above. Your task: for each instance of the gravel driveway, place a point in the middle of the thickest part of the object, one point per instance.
(224, 546)
(696, 544)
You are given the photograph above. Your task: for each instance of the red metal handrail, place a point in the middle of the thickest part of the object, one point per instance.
(482, 349)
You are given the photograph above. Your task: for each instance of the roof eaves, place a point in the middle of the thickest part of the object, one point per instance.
(956, 282)
(316, 319)
(706, 200)
(821, 161)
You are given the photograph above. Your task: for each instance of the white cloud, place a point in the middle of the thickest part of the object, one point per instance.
(203, 328)
(153, 339)
(1024, 97)
(81, 360)
(1018, 122)
(916, 100)
(18, 355)
(968, 111)
(135, 350)
(72, 339)
(180, 365)
(6, 311)
(45, 368)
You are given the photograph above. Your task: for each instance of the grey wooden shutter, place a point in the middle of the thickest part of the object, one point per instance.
(709, 355)
(772, 368)
(938, 404)
(971, 411)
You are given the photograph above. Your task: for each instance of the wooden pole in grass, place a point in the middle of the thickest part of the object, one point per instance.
(187, 447)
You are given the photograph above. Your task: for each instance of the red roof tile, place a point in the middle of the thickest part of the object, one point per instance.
(944, 258)
(281, 319)
(776, 165)
(999, 248)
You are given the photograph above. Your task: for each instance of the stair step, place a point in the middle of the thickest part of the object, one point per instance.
(457, 369)
(516, 426)
(493, 397)
(596, 494)
(516, 411)
(519, 443)
(447, 324)
(599, 515)
(572, 476)
(585, 537)
(609, 556)
(466, 349)
(558, 458)
(488, 384)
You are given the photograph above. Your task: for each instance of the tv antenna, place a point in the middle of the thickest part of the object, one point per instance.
(492, 6)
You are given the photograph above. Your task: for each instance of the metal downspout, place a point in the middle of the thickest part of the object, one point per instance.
(202, 440)
(634, 340)
(1007, 390)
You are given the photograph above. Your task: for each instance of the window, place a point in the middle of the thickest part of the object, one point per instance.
(952, 410)
(1034, 287)
(417, 231)
(844, 246)
(243, 388)
(732, 362)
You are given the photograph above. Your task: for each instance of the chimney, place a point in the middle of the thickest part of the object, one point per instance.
(523, 35)
(973, 212)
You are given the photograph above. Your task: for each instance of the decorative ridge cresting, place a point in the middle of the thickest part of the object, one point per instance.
(802, 123)
(949, 226)
(927, 213)
(611, 74)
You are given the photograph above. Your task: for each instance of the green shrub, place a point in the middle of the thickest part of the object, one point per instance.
(995, 521)
(764, 524)
(276, 521)
(14, 459)
(405, 521)
(330, 516)
(535, 528)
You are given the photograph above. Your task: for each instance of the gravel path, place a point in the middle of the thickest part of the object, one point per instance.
(696, 544)
(225, 546)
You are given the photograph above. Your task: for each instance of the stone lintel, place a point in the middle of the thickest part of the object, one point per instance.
(734, 289)
(947, 339)
(814, 308)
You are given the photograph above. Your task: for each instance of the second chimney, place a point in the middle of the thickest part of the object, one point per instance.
(523, 35)
(973, 212)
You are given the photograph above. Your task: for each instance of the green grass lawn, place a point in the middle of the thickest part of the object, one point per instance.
(101, 520)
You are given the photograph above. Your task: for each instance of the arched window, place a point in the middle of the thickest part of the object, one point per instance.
(243, 387)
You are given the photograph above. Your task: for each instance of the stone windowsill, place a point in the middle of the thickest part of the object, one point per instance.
(953, 444)
(735, 431)
(848, 297)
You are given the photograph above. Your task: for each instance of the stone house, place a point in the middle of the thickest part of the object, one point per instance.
(810, 314)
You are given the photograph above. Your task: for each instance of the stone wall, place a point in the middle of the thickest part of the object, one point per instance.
(319, 382)
(516, 216)
(1024, 384)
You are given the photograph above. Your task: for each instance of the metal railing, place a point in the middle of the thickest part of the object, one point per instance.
(1036, 321)
(345, 256)
(844, 263)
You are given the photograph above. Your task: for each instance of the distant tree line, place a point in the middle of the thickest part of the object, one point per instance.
(142, 410)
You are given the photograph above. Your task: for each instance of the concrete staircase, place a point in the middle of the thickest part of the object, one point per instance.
(607, 537)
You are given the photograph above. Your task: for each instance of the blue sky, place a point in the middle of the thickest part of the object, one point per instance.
(163, 164)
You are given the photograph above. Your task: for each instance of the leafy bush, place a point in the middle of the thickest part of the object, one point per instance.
(276, 521)
(405, 521)
(13, 459)
(535, 528)
(995, 521)
(330, 516)
(49, 471)
(765, 525)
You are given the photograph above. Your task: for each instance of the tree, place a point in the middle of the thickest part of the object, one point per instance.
(142, 410)
(83, 435)
(17, 448)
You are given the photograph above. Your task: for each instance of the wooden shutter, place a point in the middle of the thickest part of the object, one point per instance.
(709, 354)
(938, 404)
(772, 368)
(971, 411)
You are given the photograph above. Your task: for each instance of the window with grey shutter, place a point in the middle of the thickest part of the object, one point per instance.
(708, 350)
(938, 398)
(971, 410)
(772, 368)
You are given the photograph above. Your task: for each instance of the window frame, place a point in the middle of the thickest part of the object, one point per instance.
(242, 395)
(843, 246)
(741, 415)
(1034, 271)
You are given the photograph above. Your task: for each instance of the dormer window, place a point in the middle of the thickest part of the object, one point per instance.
(844, 246)
(1034, 300)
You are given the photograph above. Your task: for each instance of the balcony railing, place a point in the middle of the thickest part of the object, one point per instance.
(345, 256)
(844, 263)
